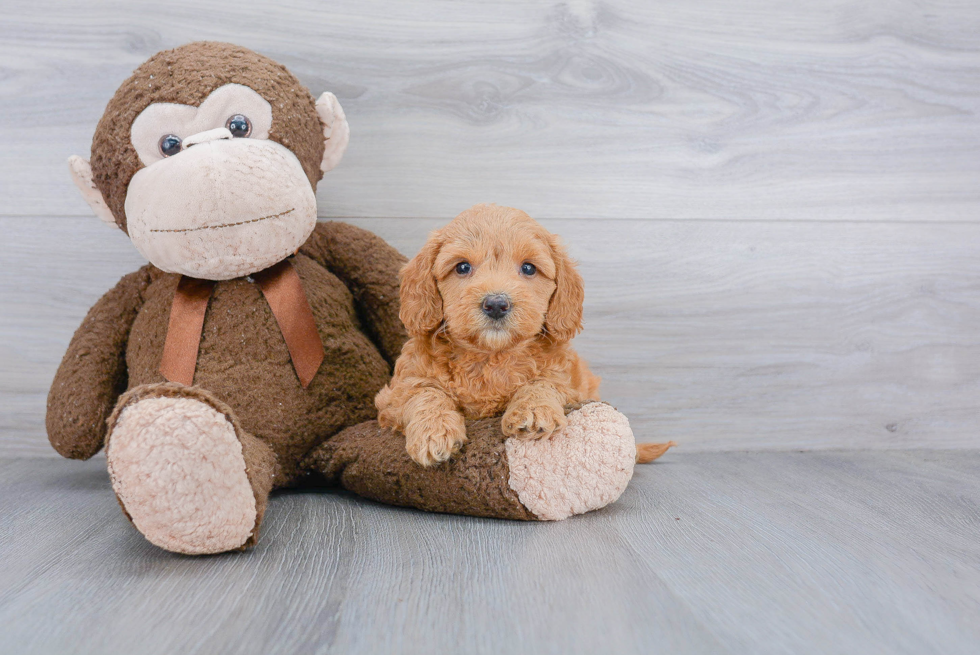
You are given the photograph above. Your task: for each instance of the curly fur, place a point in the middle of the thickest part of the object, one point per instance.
(458, 363)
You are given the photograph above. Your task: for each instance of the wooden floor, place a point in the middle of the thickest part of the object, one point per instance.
(831, 552)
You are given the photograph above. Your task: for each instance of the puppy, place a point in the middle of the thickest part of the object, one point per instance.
(490, 304)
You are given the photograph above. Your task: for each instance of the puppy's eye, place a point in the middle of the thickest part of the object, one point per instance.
(169, 145)
(528, 269)
(239, 125)
(463, 268)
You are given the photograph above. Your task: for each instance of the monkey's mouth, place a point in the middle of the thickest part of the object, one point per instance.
(224, 225)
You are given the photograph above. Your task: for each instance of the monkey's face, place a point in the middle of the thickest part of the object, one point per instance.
(208, 157)
(216, 198)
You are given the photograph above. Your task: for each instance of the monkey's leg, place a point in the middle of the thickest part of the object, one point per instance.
(187, 475)
(583, 467)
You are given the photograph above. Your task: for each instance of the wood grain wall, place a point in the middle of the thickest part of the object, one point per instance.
(775, 204)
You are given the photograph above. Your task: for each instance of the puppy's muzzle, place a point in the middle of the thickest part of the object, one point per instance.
(496, 306)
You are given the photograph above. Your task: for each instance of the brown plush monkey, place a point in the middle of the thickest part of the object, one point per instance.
(231, 364)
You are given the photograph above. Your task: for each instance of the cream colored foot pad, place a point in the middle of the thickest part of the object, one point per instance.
(584, 467)
(176, 465)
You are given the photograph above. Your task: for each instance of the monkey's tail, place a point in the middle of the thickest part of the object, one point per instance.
(647, 452)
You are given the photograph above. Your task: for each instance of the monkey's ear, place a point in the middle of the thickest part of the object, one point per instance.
(81, 175)
(336, 131)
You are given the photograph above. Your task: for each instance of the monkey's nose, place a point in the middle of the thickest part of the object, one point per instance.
(208, 135)
(496, 306)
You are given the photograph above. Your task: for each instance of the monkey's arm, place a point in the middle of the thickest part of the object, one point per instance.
(369, 267)
(92, 374)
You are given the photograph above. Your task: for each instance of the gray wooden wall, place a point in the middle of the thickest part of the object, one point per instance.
(774, 203)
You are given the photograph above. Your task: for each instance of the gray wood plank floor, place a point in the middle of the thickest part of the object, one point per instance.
(833, 552)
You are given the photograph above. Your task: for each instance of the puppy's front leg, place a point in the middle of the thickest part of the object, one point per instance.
(535, 411)
(434, 428)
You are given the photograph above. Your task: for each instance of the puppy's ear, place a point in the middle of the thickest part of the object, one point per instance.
(421, 304)
(564, 319)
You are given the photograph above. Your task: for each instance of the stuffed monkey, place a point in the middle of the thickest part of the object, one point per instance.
(232, 363)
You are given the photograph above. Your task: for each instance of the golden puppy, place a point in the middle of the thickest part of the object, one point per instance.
(490, 303)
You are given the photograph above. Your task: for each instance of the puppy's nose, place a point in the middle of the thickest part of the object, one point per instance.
(496, 306)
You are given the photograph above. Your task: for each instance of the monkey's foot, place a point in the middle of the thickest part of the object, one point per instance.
(185, 473)
(582, 467)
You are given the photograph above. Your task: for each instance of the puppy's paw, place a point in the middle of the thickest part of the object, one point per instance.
(435, 437)
(526, 419)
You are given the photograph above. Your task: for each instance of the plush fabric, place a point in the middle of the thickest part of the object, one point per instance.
(368, 266)
(584, 467)
(92, 374)
(372, 462)
(261, 466)
(81, 175)
(581, 468)
(243, 359)
(222, 209)
(185, 121)
(177, 466)
(336, 130)
(187, 75)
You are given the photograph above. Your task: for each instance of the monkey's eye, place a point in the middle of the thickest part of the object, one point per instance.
(463, 268)
(528, 269)
(169, 145)
(239, 125)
